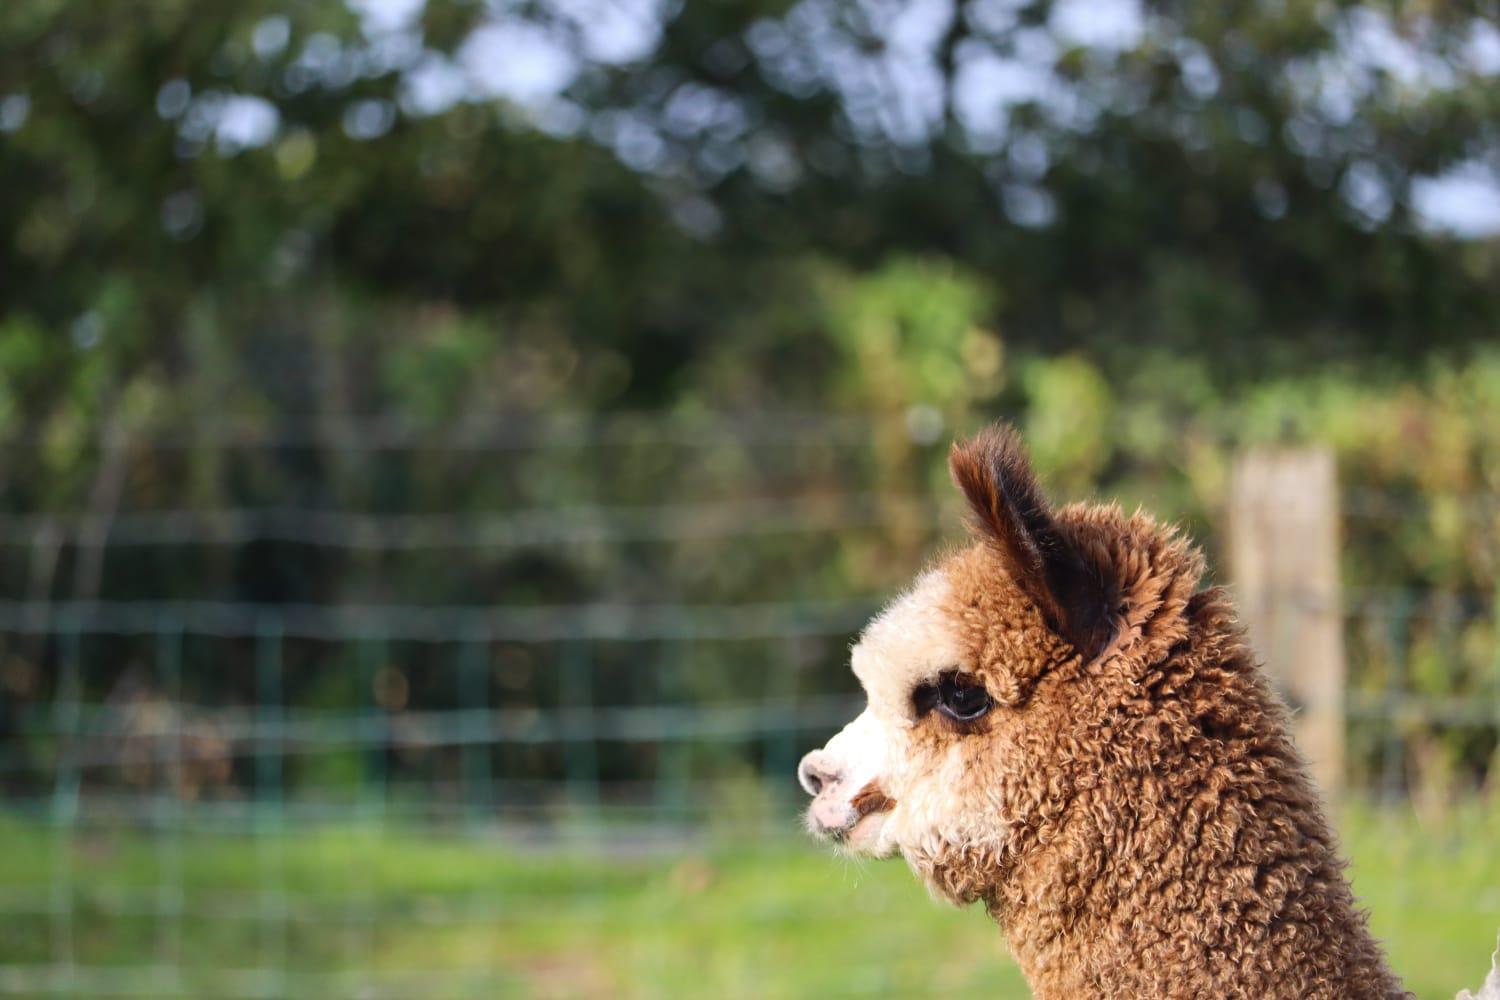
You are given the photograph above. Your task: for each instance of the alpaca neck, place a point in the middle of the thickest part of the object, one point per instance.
(1186, 852)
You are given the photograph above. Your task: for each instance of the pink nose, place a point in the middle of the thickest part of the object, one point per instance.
(815, 774)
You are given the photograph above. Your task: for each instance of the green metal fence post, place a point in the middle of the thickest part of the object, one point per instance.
(674, 766)
(373, 794)
(373, 789)
(474, 702)
(580, 746)
(780, 721)
(270, 797)
(66, 711)
(171, 894)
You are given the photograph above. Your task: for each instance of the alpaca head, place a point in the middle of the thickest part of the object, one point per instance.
(951, 671)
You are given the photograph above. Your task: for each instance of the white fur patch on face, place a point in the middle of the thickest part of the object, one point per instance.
(908, 644)
(911, 642)
(836, 774)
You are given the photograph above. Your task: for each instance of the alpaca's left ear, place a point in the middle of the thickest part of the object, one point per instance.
(1011, 513)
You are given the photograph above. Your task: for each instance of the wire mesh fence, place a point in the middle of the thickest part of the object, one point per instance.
(302, 684)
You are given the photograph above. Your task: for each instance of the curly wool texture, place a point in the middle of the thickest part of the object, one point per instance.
(1161, 837)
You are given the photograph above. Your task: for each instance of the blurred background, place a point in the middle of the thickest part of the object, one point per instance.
(447, 448)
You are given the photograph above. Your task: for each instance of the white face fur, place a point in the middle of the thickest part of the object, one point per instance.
(910, 644)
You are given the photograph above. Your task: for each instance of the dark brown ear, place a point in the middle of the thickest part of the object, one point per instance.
(1010, 512)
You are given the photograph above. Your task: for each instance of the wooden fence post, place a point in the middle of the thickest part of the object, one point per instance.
(1283, 551)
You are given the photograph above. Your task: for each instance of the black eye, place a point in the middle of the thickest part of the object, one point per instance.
(962, 702)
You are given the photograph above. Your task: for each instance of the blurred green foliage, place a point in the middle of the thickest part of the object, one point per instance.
(201, 195)
(245, 216)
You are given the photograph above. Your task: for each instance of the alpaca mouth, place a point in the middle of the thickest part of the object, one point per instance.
(863, 834)
(854, 824)
(858, 832)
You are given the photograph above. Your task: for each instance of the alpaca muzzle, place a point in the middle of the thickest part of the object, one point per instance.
(832, 811)
(844, 779)
(835, 814)
(843, 793)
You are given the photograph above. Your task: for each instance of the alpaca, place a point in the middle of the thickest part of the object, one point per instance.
(1062, 725)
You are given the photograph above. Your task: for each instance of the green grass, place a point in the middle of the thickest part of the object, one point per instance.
(402, 914)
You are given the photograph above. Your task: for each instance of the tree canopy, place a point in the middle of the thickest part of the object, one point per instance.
(646, 181)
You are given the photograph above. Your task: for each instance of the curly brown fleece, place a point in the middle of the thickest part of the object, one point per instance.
(1163, 838)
